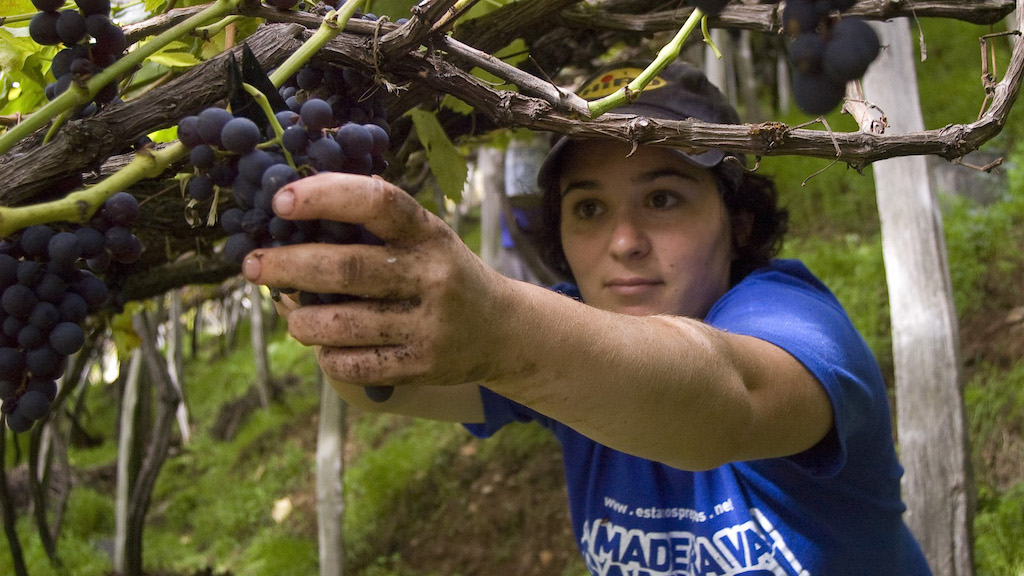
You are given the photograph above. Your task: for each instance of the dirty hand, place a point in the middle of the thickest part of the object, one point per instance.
(426, 308)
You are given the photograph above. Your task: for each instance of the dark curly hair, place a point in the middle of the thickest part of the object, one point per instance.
(745, 194)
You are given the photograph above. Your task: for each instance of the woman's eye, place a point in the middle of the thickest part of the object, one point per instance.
(587, 209)
(663, 200)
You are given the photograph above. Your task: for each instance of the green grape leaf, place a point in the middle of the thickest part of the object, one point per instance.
(154, 6)
(176, 55)
(446, 162)
(14, 50)
(15, 7)
(456, 105)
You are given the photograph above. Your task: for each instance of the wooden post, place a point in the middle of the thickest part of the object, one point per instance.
(937, 483)
(259, 344)
(330, 481)
(122, 498)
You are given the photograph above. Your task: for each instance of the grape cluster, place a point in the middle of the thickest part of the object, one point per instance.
(91, 43)
(338, 134)
(826, 51)
(331, 125)
(48, 286)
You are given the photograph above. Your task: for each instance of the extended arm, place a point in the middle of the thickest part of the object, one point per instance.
(665, 388)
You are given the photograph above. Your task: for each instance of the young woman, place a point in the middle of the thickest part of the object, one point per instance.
(718, 412)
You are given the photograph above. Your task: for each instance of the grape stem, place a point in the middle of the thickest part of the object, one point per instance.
(668, 53)
(207, 32)
(261, 99)
(332, 25)
(79, 206)
(70, 98)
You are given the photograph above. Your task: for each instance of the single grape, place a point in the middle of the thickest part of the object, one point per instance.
(200, 188)
(359, 165)
(240, 135)
(295, 139)
(326, 155)
(42, 360)
(379, 393)
(44, 316)
(95, 24)
(67, 338)
(64, 248)
(806, 51)
(244, 192)
(277, 176)
(18, 300)
(355, 139)
(188, 132)
(92, 290)
(35, 239)
(18, 423)
(252, 165)
(202, 157)
(51, 288)
(30, 272)
(33, 405)
(110, 44)
(210, 123)
(816, 94)
(30, 337)
(92, 241)
(121, 209)
(43, 28)
(309, 77)
(380, 137)
(800, 16)
(61, 63)
(255, 221)
(316, 114)
(45, 386)
(123, 245)
(237, 246)
(231, 220)
(70, 26)
(852, 46)
(73, 307)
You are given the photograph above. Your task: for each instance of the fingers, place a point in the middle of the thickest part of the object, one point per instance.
(384, 209)
(356, 324)
(355, 269)
(376, 366)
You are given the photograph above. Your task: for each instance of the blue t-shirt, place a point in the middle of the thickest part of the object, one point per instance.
(832, 510)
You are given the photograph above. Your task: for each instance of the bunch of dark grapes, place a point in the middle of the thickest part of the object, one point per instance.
(91, 43)
(826, 51)
(332, 125)
(48, 286)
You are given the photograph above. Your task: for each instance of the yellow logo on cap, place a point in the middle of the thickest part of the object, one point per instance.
(613, 80)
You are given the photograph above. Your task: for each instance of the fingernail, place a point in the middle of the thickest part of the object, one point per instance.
(284, 202)
(251, 268)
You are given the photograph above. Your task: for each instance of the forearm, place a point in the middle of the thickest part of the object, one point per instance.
(665, 388)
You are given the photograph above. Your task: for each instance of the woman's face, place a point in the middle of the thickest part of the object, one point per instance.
(643, 234)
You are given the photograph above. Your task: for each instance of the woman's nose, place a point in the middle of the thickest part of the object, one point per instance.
(629, 239)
